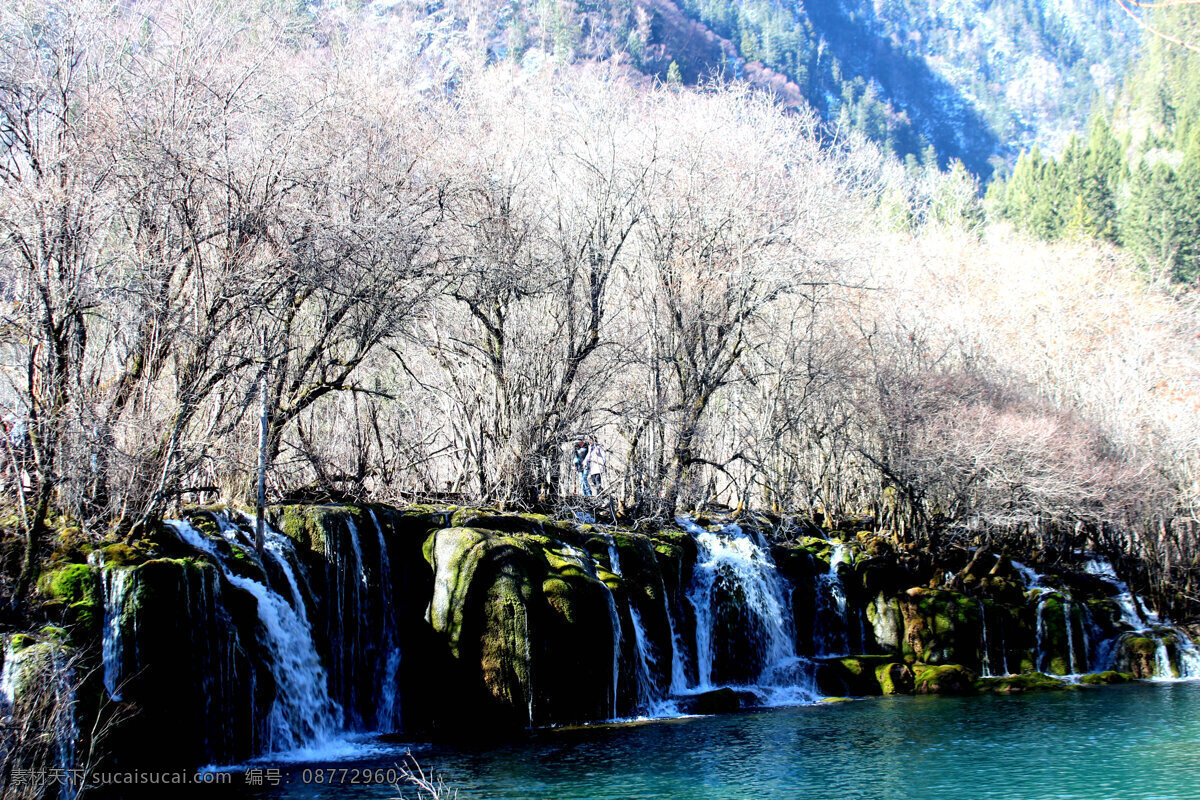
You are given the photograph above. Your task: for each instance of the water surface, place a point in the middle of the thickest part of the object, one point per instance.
(1140, 741)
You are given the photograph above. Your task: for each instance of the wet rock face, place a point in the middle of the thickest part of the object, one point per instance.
(527, 625)
(462, 620)
(1153, 653)
(858, 676)
(191, 662)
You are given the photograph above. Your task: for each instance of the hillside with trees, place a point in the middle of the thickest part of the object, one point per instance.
(1134, 179)
(969, 81)
(337, 247)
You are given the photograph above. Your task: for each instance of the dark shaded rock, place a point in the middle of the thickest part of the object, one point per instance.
(718, 701)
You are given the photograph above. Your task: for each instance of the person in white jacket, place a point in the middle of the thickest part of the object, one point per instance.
(594, 465)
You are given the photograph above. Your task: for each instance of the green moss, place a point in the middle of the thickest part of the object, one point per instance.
(19, 641)
(1105, 678)
(816, 547)
(454, 554)
(894, 678)
(309, 526)
(294, 525)
(1018, 684)
(73, 583)
(1142, 646)
(87, 614)
(122, 555)
(942, 679)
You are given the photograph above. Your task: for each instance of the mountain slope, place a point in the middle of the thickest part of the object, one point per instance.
(976, 80)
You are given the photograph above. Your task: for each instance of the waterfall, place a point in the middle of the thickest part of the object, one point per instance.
(987, 661)
(650, 699)
(586, 564)
(360, 565)
(678, 669)
(302, 713)
(1087, 628)
(831, 630)
(1040, 627)
(116, 587)
(1189, 658)
(1066, 610)
(1148, 624)
(744, 630)
(387, 719)
(1034, 585)
(61, 731)
(8, 681)
(1004, 650)
(66, 726)
(1132, 612)
(348, 647)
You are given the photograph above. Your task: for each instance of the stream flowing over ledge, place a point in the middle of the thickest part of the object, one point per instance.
(189, 649)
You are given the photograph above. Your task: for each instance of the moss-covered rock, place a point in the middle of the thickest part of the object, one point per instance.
(19, 641)
(895, 678)
(1106, 678)
(527, 620)
(42, 686)
(74, 600)
(940, 627)
(120, 554)
(942, 679)
(309, 525)
(72, 583)
(1019, 684)
(851, 675)
(189, 666)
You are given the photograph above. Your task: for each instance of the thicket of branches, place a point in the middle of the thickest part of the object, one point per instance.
(439, 276)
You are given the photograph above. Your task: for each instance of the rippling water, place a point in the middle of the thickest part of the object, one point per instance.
(1134, 743)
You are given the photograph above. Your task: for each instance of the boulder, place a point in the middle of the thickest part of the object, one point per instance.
(1019, 684)
(942, 679)
(718, 701)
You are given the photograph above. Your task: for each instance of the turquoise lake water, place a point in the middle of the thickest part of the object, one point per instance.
(1139, 742)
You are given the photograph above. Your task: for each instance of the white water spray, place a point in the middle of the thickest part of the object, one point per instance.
(732, 560)
(116, 589)
(302, 714)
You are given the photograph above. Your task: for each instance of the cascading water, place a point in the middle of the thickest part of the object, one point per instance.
(1034, 584)
(1135, 618)
(387, 719)
(1067, 621)
(832, 625)
(678, 667)
(116, 588)
(649, 697)
(585, 563)
(58, 731)
(302, 714)
(987, 659)
(1147, 624)
(66, 732)
(8, 683)
(744, 630)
